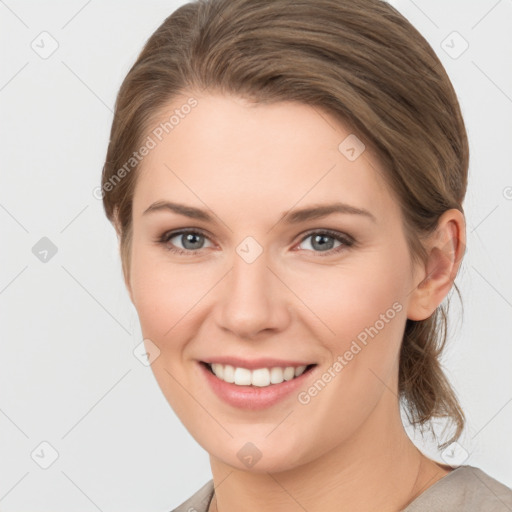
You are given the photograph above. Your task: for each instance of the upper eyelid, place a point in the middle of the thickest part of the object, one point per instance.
(175, 232)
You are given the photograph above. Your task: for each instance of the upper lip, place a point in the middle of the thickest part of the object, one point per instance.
(254, 364)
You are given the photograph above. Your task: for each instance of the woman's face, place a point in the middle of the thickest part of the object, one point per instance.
(251, 283)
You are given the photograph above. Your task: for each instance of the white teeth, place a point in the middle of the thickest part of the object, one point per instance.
(299, 370)
(242, 377)
(229, 373)
(276, 375)
(261, 377)
(289, 373)
(218, 369)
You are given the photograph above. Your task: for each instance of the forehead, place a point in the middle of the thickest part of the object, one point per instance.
(253, 154)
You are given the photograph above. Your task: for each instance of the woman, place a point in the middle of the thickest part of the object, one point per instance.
(286, 180)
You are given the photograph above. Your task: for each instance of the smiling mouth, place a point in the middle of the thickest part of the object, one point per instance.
(261, 377)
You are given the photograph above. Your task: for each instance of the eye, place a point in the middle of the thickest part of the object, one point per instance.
(192, 241)
(324, 242)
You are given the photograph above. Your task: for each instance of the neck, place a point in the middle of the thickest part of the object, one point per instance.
(378, 468)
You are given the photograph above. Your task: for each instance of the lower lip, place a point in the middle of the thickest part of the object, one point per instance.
(253, 397)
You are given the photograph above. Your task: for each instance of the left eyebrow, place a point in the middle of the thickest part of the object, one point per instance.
(323, 210)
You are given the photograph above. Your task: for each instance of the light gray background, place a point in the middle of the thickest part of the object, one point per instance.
(68, 375)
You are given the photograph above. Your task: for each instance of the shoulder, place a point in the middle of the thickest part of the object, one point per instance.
(467, 489)
(199, 502)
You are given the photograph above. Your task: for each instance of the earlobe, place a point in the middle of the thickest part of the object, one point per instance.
(445, 249)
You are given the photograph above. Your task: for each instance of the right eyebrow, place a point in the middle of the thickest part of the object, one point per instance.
(181, 209)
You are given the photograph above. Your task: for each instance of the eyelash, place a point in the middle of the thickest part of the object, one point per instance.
(346, 240)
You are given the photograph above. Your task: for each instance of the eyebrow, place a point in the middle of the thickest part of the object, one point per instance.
(289, 217)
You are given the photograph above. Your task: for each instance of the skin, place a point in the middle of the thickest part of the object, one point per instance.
(247, 164)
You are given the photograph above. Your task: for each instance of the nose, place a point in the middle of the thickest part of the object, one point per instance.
(253, 299)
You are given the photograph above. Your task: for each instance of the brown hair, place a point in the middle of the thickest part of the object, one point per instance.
(359, 60)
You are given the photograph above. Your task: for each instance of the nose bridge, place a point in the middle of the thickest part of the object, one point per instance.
(253, 299)
(250, 274)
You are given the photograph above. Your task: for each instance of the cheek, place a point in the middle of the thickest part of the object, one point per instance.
(163, 292)
(167, 299)
(362, 312)
(362, 304)
(348, 298)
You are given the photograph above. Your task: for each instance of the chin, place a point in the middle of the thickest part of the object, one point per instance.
(258, 456)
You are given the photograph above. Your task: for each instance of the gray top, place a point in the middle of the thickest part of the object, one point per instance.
(465, 489)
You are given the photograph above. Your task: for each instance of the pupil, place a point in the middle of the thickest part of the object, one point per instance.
(323, 245)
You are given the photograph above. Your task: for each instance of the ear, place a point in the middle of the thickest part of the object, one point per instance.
(445, 248)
